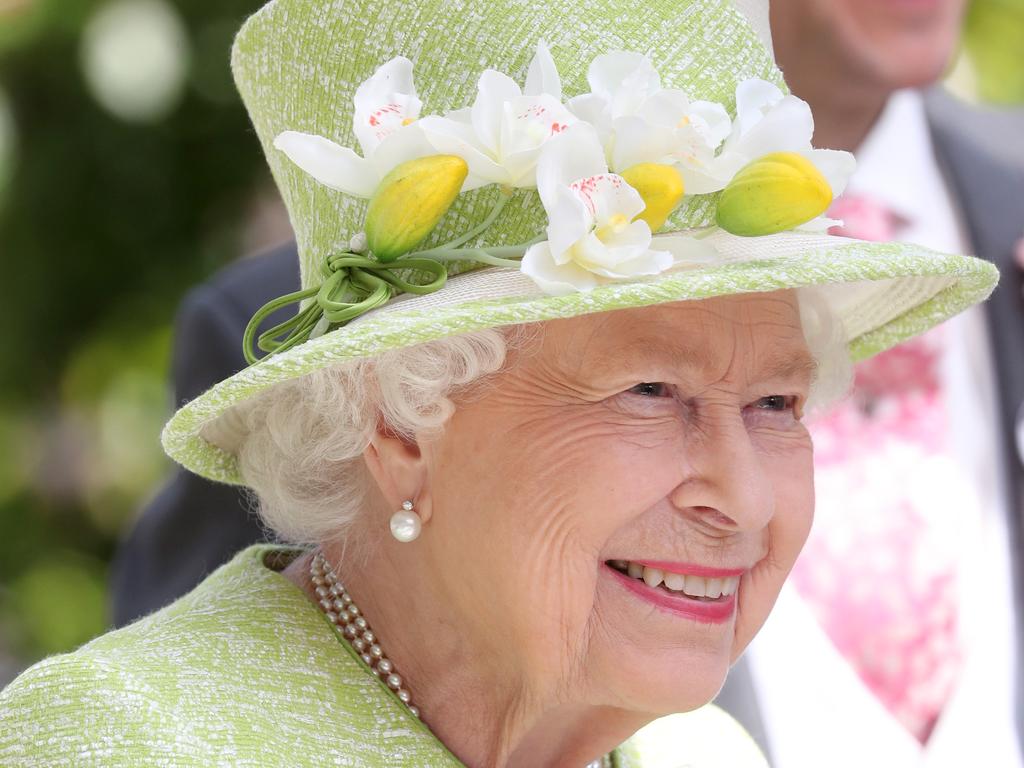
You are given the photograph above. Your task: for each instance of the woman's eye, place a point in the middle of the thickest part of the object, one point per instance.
(651, 389)
(776, 403)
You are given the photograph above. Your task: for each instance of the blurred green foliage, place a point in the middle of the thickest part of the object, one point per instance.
(103, 226)
(994, 42)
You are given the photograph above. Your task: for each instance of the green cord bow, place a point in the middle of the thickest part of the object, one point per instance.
(353, 285)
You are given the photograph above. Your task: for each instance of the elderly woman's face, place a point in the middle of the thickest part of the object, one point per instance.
(624, 465)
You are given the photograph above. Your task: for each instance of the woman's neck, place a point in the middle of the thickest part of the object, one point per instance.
(480, 709)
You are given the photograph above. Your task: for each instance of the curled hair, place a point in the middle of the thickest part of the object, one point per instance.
(305, 438)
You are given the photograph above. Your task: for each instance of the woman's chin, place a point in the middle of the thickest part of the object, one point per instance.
(676, 692)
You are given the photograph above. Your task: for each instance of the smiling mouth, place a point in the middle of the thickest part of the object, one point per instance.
(703, 589)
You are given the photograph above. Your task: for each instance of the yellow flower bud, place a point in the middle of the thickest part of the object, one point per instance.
(409, 201)
(660, 186)
(774, 193)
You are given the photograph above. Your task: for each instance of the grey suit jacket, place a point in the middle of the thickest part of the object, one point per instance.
(982, 154)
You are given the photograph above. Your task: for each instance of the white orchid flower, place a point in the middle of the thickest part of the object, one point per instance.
(768, 121)
(641, 122)
(385, 124)
(593, 237)
(501, 135)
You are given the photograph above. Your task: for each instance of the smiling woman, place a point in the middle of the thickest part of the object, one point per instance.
(534, 434)
(620, 454)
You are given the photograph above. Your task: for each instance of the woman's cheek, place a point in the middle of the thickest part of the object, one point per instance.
(793, 473)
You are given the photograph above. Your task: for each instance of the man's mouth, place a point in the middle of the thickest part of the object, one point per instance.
(703, 588)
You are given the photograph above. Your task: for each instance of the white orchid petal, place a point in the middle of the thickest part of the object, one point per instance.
(493, 91)
(555, 279)
(329, 163)
(625, 79)
(635, 236)
(639, 141)
(384, 103)
(785, 127)
(819, 225)
(646, 264)
(753, 98)
(454, 137)
(405, 144)
(593, 109)
(836, 165)
(609, 197)
(712, 178)
(608, 71)
(528, 123)
(574, 154)
(607, 252)
(542, 76)
(592, 254)
(685, 250)
(568, 222)
(716, 123)
(666, 107)
(718, 174)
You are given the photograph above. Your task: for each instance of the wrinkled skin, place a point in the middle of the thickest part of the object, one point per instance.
(516, 640)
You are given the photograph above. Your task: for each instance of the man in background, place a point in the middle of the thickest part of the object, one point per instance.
(904, 664)
(895, 641)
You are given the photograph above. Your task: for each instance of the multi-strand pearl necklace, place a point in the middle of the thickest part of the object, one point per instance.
(346, 616)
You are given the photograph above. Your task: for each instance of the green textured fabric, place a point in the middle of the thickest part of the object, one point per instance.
(245, 671)
(298, 63)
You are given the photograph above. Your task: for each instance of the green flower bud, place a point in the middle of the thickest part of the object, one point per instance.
(409, 201)
(774, 193)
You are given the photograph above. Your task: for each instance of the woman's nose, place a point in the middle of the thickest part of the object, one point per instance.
(726, 482)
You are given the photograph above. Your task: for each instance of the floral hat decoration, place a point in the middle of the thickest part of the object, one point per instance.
(520, 162)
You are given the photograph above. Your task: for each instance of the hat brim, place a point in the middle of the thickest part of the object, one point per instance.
(883, 293)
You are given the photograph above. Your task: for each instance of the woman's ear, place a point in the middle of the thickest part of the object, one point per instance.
(399, 468)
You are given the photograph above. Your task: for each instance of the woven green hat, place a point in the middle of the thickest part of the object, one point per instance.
(526, 161)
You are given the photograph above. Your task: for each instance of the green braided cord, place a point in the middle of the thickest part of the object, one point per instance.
(354, 284)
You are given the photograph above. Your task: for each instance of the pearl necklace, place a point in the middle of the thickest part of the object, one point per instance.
(342, 611)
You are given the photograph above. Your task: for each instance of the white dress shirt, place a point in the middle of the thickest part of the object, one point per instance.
(817, 711)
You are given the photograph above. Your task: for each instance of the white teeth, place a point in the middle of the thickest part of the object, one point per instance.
(714, 588)
(652, 576)
(694, 586)
(675, 581)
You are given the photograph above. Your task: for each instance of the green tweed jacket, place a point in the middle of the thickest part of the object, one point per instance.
(245, 671)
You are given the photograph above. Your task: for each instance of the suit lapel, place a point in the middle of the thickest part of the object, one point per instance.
(977, 153)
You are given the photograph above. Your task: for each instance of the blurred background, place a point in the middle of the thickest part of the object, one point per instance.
(128, 173)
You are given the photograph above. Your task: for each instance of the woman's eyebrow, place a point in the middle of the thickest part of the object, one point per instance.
(799, 365)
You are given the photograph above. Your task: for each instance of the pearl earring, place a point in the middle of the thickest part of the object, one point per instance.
(406, 524)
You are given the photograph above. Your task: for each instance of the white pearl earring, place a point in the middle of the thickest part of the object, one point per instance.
(406, 524)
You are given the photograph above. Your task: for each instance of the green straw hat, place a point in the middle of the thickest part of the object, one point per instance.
(524, 161)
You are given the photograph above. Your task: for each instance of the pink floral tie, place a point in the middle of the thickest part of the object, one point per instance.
(879, 567)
